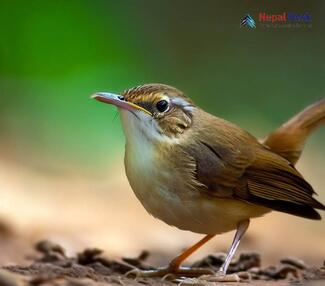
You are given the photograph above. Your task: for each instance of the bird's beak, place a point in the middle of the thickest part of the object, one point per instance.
(116, 100)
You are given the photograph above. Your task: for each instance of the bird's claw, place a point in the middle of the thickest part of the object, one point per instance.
(204, 279)
(137, 273)
(168, 273)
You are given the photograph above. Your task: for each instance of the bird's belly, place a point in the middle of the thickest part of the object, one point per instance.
(200, 215)
(160, 193)
(195, 213)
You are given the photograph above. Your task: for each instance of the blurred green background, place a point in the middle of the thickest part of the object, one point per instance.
(61, 153)
(55, 54)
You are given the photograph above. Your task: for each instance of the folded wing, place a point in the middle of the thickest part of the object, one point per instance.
(238, 167)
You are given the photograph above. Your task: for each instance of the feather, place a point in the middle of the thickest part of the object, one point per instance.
(239, 167)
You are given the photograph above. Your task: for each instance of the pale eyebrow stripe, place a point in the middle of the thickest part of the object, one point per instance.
(182, 102)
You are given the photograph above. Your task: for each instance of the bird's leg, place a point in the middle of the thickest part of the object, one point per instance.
(241, 229)
(221, 276)
(174, 267)
(175, 264)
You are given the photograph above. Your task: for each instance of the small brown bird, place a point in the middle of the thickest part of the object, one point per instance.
(204, 174)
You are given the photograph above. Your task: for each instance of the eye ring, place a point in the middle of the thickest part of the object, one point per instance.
(162, 105)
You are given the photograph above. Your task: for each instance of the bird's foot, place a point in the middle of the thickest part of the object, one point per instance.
(220, 276)
(169, 272)
(207, 279)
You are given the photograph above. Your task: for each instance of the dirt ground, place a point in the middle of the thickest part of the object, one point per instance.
(50, 266)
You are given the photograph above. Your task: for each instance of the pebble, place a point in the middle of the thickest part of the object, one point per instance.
(294, 262)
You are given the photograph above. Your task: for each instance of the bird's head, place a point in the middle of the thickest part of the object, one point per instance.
(158, 112)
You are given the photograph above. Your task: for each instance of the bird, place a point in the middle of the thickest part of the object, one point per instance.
(204, 174)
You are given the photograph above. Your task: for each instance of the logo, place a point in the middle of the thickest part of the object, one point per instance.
(284, 17)
(277, 20)
(248, 22)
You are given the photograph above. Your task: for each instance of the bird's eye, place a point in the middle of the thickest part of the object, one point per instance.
(121, 97)
(162, 105)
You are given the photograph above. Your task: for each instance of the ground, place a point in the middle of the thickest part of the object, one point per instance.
(50, 266)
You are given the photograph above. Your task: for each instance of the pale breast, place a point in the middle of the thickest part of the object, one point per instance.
(154, 185)
(163, 182)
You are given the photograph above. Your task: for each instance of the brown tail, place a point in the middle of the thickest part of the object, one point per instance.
(289, 139)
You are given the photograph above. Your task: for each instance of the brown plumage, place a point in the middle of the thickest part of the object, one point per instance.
(233, 164)
(289, 139)
(138, 93)
(201, 173)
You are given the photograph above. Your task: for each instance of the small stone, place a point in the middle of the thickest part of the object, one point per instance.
(248, 260)
(294, 262)
(89, 255)
(280, 272)
(143, 255)
(138, 261)
(244, 275)
(46, 247)
(212, 261)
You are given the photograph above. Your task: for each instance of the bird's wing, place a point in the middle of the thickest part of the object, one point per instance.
(219, 166)
(238, 167)
(273, 182)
